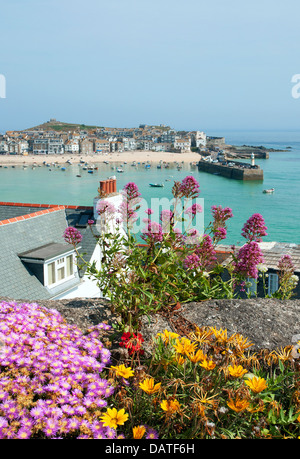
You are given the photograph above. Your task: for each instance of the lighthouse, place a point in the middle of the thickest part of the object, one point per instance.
(252, 159)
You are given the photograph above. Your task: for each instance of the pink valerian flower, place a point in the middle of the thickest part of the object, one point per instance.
(192, 262)
(91, 222)
(286, 265)
(167, 219)
(166, 215)
(205, 253)
(105, 206)
(193, 210)
(72, 235)
(221, 215)
(254, 229)
(220, 233)
(193, 236)
(189, 187)
(153, 232)
(130, 204)
(248, 258)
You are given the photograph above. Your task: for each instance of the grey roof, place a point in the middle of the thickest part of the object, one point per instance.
(88, 243)
(272, 253)
(74, 217)
(46, 252)
(16, 280)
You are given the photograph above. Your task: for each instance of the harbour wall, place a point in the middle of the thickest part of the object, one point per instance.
(237, 172)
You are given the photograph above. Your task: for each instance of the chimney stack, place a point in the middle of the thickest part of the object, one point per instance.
(107, 187)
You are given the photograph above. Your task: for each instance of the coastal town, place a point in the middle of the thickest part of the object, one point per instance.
(56, 138)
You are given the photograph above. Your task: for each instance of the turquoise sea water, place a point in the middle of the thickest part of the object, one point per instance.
(280, 210)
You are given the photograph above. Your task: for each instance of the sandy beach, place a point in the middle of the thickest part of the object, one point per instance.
(116, 157)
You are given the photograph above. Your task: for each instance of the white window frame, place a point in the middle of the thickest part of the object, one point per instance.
(273, 278)
(60, 262)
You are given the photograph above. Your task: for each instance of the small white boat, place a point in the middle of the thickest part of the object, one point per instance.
(270, 190)
(120, 169)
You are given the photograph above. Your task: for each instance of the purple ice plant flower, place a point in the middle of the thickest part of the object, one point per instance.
(55, 372)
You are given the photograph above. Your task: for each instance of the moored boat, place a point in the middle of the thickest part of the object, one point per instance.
(156, 185)
(269, 190)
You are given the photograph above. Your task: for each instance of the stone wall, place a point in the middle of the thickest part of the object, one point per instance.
(268, 323)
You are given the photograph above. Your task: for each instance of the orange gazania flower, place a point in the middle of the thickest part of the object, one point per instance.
(237, 371)
(149, 387)
(257, 384)
(238, 405)
(124, 372)
(170, 406)
(138, 432)
(112, 418)
(196, 356)
(179, 359)
(207, 364)
(167, 336)
(184, 346)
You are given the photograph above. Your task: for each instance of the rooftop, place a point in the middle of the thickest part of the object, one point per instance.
(36, 231)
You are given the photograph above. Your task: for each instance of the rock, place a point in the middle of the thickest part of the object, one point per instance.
(266, 322)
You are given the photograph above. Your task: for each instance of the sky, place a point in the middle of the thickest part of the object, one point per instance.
(191, 64)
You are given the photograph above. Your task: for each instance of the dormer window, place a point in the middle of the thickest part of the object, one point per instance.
(53, 264)
(60, 269)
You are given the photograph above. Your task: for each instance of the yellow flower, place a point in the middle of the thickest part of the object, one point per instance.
(240, 342)
(220, 335)
(138, 432)
(256, 384)
(207, 364)
(170, 406)
(112, 418)
(201, 335)
(237, 371)
(179, 359)
(124, 372)
(184, 346)
(149, 387)
(195, 357)
(238, 404)
(166, 336)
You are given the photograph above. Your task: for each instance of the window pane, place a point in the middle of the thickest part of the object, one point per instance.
(252, 289)
(51, 273)
(61, 273)
(70, 268)
(273, 283)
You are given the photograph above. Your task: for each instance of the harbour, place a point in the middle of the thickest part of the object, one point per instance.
(232, 169)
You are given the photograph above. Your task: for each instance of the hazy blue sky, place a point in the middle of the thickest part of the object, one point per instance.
(192, 64)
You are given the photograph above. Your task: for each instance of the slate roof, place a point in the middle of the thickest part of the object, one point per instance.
(26, 234)
(272, 253)
(46, 251)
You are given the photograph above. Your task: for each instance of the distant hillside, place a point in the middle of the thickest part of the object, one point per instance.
(54, 125)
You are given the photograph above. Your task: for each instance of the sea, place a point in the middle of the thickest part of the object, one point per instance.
(281, 209)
